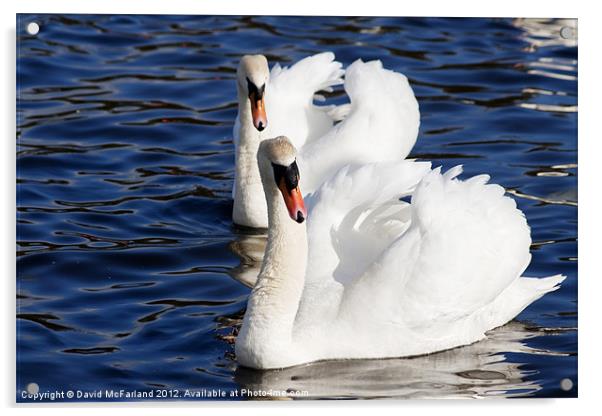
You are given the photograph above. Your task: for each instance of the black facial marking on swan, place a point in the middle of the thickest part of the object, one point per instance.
(290, 174)
(254, 91)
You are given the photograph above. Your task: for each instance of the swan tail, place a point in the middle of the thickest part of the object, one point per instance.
(541, 286)
(520, 294)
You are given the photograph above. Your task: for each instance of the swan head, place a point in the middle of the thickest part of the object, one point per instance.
(279, 172)
(252, 76)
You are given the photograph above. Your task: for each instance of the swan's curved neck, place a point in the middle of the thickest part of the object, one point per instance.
(274, 302)
(249, 202)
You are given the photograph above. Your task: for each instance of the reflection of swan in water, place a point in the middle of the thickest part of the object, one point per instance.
(475, 370)
(250, 249)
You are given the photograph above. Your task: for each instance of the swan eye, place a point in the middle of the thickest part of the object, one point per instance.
(290, 174)
(257, 93)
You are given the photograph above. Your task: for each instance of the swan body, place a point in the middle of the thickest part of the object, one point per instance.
(372, 276)
(380, 123)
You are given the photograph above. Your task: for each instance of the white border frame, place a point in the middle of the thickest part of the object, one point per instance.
(590, 68)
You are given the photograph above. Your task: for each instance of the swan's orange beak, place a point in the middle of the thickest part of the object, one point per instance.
(293, 201)
(260, 120)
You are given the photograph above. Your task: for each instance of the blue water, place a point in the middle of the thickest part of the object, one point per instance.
(129, 271)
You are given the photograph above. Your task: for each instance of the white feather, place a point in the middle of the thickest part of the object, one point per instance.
(387, 278)
(379, 124)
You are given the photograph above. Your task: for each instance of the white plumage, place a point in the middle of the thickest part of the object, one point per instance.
(381, 124)
(373, 276)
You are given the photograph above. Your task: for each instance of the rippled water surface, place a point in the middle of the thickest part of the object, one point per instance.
(129, 269)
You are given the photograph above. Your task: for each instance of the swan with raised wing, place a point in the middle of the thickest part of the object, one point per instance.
(380, 123)
(369, 275)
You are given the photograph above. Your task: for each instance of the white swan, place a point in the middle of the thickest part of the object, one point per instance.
(372, 276)
(380, 122)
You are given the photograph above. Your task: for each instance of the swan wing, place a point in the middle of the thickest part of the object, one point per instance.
(379, 124)
(352, 218)
(289, 100)
(386, 278)
(467, 243)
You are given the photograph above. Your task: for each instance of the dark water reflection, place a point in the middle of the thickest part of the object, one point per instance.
(129, 269)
